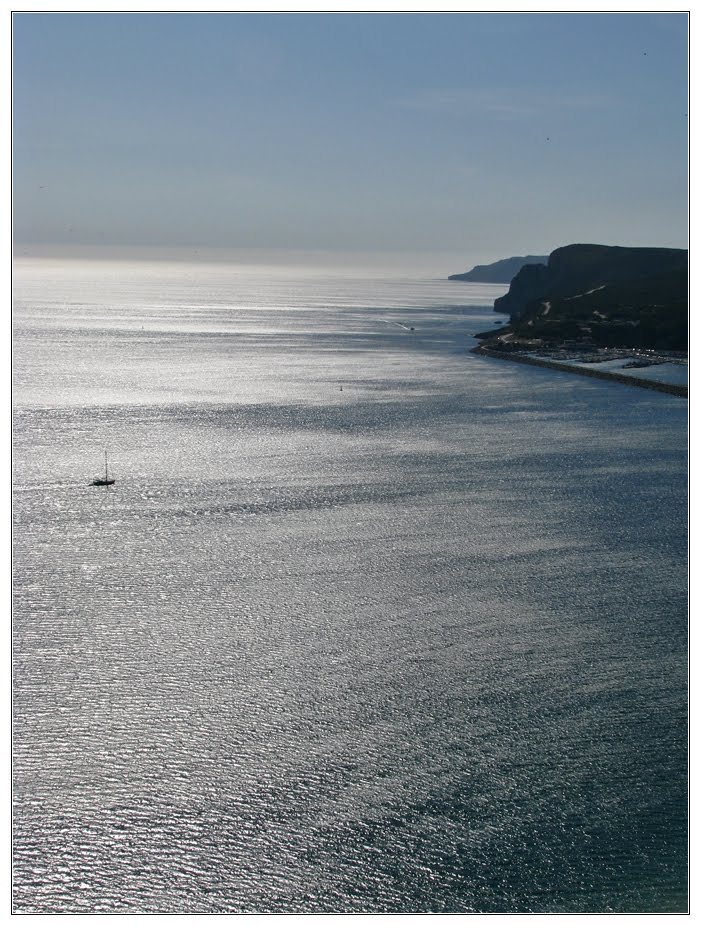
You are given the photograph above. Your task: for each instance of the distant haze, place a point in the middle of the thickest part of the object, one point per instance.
(485, 135)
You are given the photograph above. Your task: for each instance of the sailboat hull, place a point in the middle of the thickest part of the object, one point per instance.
(105, 480)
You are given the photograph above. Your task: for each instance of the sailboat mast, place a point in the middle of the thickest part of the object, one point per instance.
(106, 476)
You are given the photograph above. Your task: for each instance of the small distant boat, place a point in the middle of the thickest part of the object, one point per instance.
(105, 480)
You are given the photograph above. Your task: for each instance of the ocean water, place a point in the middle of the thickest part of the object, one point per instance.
(367, 624)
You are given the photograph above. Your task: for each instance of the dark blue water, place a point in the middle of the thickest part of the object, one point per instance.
(366, 624)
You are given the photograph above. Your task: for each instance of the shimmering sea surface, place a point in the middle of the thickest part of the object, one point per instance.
(367, 623)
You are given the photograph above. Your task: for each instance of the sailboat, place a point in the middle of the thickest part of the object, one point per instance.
(105, 480)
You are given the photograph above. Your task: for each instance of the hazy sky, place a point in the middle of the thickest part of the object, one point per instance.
(492, 134)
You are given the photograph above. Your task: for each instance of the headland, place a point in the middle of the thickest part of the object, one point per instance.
(589, 305)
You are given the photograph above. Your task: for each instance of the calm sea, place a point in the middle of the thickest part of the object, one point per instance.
(367, 623)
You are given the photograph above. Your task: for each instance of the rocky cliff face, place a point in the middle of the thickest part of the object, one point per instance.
(501, 271)
(528, 284)
(580, 268)
(605, 296)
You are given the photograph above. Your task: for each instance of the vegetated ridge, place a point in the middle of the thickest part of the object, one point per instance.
(598, 295)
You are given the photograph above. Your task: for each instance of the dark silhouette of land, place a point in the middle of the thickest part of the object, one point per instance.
(601, 295)
(501, 271)
(593, 303)
(605, 296)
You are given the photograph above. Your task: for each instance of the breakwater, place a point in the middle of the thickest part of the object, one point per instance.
(670, 388)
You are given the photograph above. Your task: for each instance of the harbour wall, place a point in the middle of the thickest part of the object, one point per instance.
(670, 388)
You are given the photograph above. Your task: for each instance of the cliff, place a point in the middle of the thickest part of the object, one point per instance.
(501, 271)
(578, 268)
(609, 296)
(528, 284)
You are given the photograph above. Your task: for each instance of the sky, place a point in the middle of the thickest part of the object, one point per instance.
(483, 134)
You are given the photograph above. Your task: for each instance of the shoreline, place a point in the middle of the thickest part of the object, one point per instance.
(669, 388)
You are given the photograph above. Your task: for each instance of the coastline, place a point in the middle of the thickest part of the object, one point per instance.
(669, 388)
